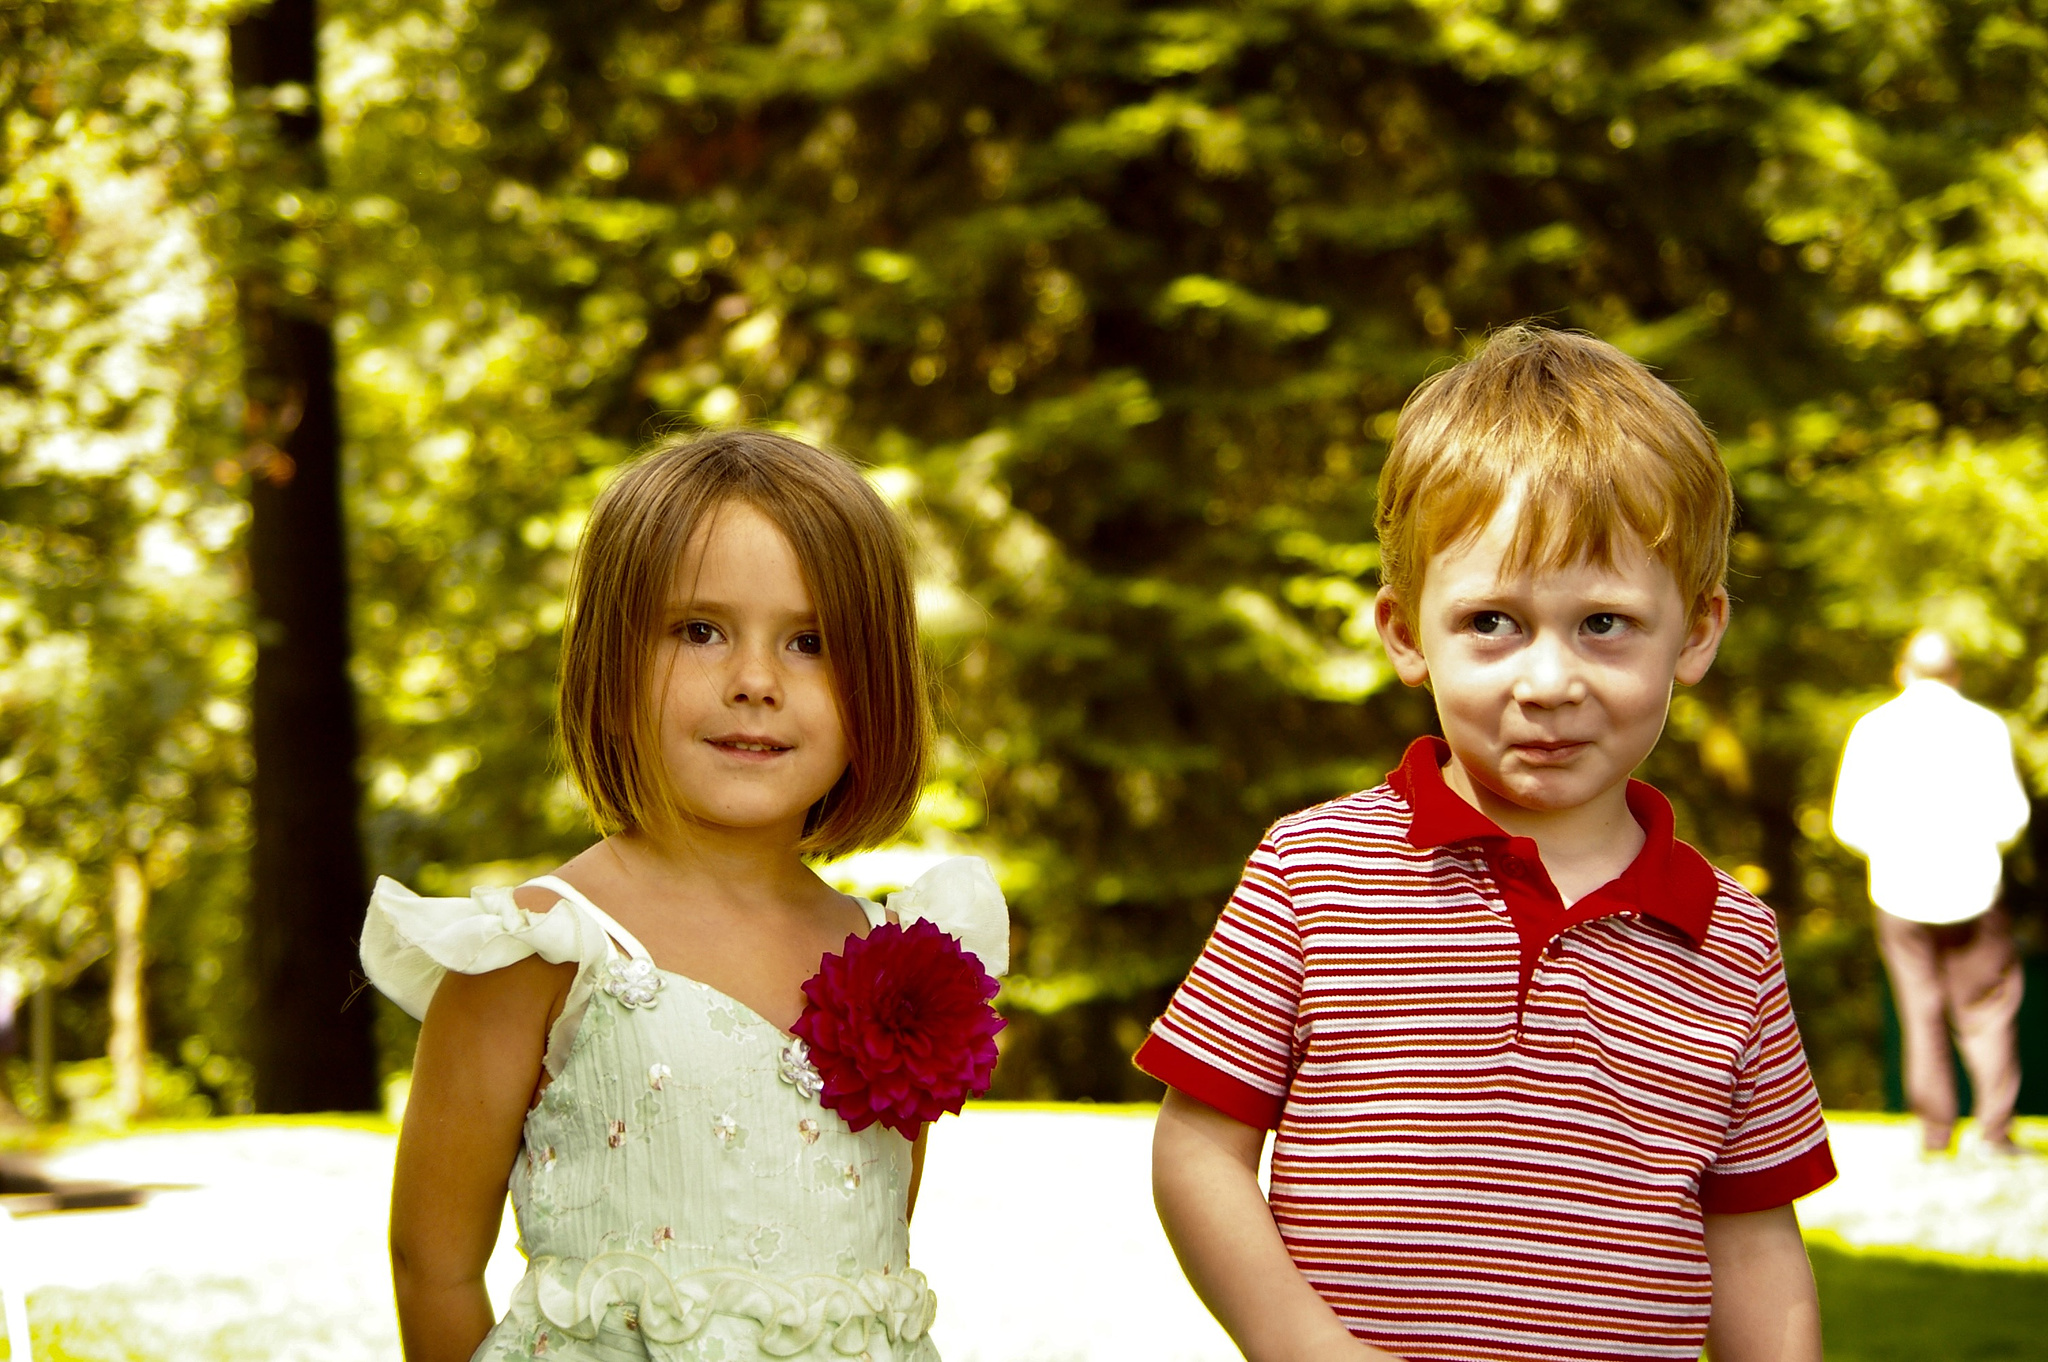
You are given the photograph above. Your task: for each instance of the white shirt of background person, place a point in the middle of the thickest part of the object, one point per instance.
(1929, 794)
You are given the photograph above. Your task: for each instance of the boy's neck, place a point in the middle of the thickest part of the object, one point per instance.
(1582, 847)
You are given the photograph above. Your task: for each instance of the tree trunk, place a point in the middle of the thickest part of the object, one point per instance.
(41, 1025)
(128, 1039)
(312, 1050)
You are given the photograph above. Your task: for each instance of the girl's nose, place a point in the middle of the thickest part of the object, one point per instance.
(755, 679)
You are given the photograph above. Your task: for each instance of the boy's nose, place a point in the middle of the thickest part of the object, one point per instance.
(1549, 676)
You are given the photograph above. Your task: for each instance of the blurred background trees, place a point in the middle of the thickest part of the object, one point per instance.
(1119, 300)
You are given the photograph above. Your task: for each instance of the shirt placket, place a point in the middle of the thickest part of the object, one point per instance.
(1538, 914)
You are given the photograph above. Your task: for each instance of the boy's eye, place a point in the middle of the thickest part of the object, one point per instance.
(811, 644)
(1491, 623)
(1603, 624)
(697, 631)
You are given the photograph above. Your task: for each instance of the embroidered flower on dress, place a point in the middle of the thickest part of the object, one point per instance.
(797, 1070)
(850, 1176)
(633, 982)
(764, 1244)
(807, 1130)
(657, 1075)
(663, 1237)
(618, 1134)
(725, 1127)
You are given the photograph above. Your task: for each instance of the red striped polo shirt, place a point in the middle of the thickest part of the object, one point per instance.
(1499, 1119)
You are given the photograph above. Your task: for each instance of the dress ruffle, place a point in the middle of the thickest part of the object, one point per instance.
(794, 1314)
(959, 896)
(410, 942)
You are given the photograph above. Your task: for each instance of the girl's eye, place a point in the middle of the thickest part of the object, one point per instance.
(697, 631)
(1491, 624)
(1603, 624)
(810, 644)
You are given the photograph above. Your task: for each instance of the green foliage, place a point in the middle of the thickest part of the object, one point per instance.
(121, 671)
(1121, 301)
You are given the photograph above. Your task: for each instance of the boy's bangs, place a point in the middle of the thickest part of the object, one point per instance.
(1569, 510)
(1598, 454)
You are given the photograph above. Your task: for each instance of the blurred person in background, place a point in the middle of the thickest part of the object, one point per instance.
(1928, 794)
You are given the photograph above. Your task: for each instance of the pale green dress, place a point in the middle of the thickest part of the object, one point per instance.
(680, 1192)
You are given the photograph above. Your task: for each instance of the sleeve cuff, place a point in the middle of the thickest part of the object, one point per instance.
(1767, 1188)
(1182, 1072)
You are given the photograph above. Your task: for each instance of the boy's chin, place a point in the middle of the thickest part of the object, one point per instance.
(1552, 790)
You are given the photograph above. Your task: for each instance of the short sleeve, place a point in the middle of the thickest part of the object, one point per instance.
(410, 943)
(1227, 1038)
(1777, 1145)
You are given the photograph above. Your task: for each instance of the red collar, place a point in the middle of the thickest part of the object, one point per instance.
(1668, 879)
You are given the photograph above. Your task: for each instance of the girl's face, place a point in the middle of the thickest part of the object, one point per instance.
(751, 735)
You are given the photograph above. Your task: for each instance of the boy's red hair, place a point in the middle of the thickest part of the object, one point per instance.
(1599, 449)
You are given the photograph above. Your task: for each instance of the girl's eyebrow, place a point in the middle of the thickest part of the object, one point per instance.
(701, 605)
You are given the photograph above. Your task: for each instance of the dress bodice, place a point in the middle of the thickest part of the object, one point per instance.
(680, 1191)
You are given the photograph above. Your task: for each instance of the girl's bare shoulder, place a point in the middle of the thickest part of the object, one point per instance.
(589, 871)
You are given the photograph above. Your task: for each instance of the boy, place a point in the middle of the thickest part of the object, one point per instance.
(1531, 1062)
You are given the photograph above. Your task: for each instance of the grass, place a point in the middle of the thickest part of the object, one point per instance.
(1878, 1307)
(1883, 1307)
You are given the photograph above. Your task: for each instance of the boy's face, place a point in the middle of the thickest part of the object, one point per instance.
(1552, 686)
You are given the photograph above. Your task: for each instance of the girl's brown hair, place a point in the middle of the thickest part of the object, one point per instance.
(856, 563)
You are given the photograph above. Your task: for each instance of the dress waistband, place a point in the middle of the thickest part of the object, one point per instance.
(793, 1313)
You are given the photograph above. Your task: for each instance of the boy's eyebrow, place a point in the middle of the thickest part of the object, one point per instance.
(1619, 599)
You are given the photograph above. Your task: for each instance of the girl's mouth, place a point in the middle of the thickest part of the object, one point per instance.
(757, 745)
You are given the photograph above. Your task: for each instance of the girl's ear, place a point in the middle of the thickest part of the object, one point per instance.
(1703, 639)
(1397, 634)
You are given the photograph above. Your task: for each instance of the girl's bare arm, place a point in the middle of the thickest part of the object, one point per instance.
(916, 1172)
(1765, 1305)
(1205, 1181)
(473, 1078)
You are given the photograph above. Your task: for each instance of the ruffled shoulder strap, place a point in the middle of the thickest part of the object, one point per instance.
(625, 940)
(960, 896)
(410, 943)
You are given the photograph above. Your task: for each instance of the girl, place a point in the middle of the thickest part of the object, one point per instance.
(741, 690)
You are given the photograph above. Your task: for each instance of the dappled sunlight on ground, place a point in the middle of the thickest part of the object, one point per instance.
(1971, 1203)
(266, 1241)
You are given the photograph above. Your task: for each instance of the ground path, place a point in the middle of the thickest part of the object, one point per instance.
(1036, 1228)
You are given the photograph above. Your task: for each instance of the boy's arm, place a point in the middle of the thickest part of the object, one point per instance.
(1765, 1306)
(1205, 1181)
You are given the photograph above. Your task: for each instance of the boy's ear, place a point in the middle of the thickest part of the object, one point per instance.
(1397, 634)
(1703, 639)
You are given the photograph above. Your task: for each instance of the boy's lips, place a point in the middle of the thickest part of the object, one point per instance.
(1548, 753)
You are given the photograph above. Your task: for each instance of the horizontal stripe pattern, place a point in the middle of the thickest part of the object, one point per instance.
(1465, 1174)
